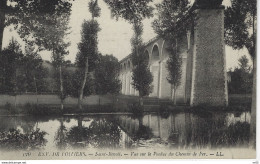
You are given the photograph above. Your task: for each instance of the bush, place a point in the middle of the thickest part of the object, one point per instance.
(136, 109)
(15, 140)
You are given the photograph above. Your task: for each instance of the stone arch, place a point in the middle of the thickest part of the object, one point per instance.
(155, 55)
(124, 67)
(129, 64)
(154, 68)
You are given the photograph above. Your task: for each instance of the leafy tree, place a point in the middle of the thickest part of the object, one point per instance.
(11, 62)
(28, 15)
(33, 71)
(134, 12)
(241, 78)
(167, 24)
(174, 64)
(11, 58)
(240, 32)
(106, 75)
(142, 77)
(88, 52)
(40, 22)
(171, 24)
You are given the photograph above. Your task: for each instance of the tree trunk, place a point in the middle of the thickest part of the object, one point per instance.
(174, 95)
(253, 104)
(3, 4)
(141, 101)
(81, 91)
(61, 89)
(253, 108)
(36, 90)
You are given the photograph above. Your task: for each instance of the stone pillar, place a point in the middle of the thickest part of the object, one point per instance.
(160, 80)
(155, 72)
(209, 84)
(123, 83)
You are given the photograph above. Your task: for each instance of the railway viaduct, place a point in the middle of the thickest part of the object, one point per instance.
(202, 49)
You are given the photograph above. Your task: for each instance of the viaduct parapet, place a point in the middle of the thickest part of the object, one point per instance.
(202, 49)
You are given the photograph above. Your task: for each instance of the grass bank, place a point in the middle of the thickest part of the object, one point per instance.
(122, 104)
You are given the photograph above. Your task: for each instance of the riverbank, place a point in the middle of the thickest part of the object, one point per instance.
(112, 104)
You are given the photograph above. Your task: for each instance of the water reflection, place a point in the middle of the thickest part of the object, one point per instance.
(182, 130)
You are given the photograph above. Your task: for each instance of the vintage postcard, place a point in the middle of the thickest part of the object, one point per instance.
(119, 79)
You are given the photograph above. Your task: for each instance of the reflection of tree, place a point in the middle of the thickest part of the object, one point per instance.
(15, 140)
(104, 134)
(101, 134)
(213, 132)
(78, 136)
(235, 134)
(174, 134)
(28, 124)
(143, 132)
(60, 137)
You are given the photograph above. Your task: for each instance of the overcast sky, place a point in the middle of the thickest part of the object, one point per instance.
(114, 37)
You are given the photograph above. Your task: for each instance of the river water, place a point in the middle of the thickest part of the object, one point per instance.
(119, 131)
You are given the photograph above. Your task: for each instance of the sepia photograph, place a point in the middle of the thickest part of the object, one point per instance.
(127, 79)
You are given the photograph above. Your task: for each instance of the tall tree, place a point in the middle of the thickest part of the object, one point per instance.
(134, 12)
(33, 72)
(88, 51)
(11, 61)
(142, 77)
(107, 81)
(171, 24)
(174, 64)
(240, 32)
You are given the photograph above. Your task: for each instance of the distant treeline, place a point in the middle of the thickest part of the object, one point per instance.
(241, 78)
(26, 72)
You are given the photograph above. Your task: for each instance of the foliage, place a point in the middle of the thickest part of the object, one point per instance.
(104, 134)
(94, 9)
(33, 72)
(240, 25)
(106, 75)
(15, 140)
(170, 22)
(142, 77)
(136, 109)
(88, 50)
(71, 83)
(40, 24)
(88, 45)
(11, 60)
(77, 135)
(132, 11)
(208, 4)
(173, 66)
(241, 78)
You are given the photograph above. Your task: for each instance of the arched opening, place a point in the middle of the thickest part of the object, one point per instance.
(124, 67)
(154, 68)
(155, 54)
(128, 65)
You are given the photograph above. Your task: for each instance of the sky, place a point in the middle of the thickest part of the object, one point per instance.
(114, 37)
